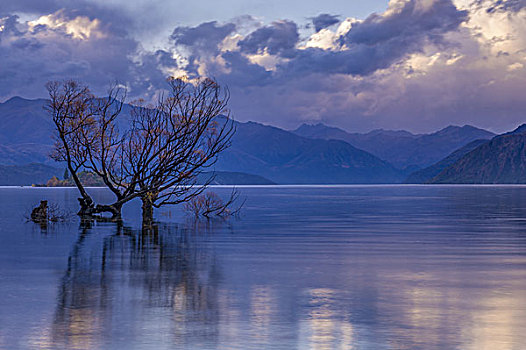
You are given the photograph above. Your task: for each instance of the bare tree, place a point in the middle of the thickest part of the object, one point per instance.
(69, 107)
(171, 143)
(87, 138)
(159, 154)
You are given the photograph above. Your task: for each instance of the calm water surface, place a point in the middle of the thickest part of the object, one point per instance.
(386, 267)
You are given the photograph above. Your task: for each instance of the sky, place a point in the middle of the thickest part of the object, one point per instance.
(418, 65)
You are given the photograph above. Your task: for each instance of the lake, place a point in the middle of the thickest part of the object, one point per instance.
(304, 267)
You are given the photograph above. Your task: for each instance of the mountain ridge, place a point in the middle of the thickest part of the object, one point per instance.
(284, 157)
(401, 148)
(502, 160)
(276, 154)
(425, 175)
(267, 151)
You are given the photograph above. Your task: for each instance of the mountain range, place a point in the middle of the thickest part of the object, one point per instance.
(310, 154)
(284, 157)
(499, 161)
(401, 148)
(278, 155)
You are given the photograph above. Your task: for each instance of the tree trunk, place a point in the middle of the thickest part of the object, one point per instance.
(115, 210)
(116, 213)
(86, 202)
(147, 208)
(89, 211)
(86, 207)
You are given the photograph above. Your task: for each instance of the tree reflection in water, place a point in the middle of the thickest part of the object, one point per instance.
(160, 280)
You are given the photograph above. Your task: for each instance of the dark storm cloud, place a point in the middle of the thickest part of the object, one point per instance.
(205, 37)
(324, 20)
(409, 25)
(359, 60)
(376, 43)
(243, 72)
(8, 23)
(509, 5)
(379, 41)
(29, 57)
(279, 38)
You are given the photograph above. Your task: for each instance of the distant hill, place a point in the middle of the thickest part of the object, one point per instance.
(26, 132)
(426, 174)
(401, 148)
(284, 157)
(25, 121)
(26, 175)
(499, 161)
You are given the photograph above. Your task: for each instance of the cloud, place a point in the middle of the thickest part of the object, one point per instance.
(506, 5)
(57, 46)
(324, 20)
(382, 40)
(206, 37)
(279, 38)
(376, 43)
(420, 65)
(367, 46)
(80, 27)
(407, 22)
